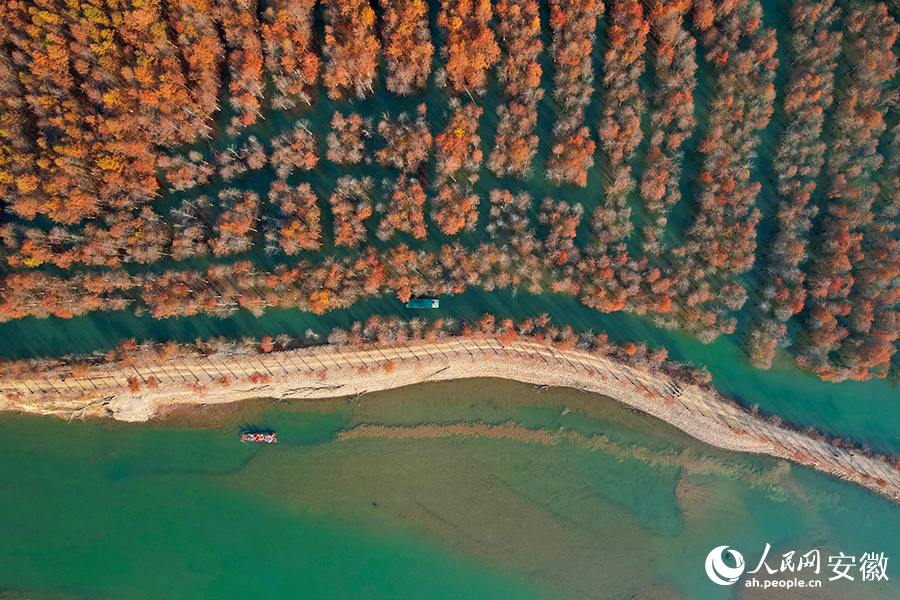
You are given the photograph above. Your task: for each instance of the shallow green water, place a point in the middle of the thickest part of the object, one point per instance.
(105, 510)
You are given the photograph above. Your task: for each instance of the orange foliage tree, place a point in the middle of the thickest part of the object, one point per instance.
(237, 221)
(287, 33)
(407, 45)
(561, 220)
(299, 227)
(404, 210)
(351, 48)
(459, 145)
(351, 205)
(295, 149)
(348, 139)
(515, 144)
(572, 25)
(455, 210)
(407, 143)
(470, 48)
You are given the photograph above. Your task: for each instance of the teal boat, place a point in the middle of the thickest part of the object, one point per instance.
(423, 303)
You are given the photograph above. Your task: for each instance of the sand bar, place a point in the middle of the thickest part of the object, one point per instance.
(330, 371)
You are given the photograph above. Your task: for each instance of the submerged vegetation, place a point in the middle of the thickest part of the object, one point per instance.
(138, 171)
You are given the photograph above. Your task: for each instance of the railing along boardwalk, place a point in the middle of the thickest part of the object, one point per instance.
(328, 371)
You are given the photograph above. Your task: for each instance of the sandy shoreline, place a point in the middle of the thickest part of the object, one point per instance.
(329, 371)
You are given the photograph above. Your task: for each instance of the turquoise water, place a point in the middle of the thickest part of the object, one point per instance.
(142, 513)
(183, 510)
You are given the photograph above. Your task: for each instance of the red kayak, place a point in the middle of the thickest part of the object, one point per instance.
(268, 437)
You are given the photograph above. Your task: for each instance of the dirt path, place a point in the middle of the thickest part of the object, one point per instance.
(329, 371)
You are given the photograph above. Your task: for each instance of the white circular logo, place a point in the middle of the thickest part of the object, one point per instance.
(721, 573)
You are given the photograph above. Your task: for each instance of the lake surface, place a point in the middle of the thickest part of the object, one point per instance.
(181, 509)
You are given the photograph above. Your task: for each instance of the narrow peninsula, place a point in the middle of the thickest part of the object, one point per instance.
(144, 385)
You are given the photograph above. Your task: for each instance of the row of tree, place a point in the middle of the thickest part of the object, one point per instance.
(383, 331)
(620, 131)
(337, 283)
(515, 145)
(721, 242)
(798, 163)
(852, 322)
(572, 25)
(245, 59)
(351, 48)
(407, 45)
(672, 119)
(470, 47)
(459, 158)
(289, 44)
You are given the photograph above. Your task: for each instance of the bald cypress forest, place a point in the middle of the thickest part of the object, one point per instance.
(719, 168)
